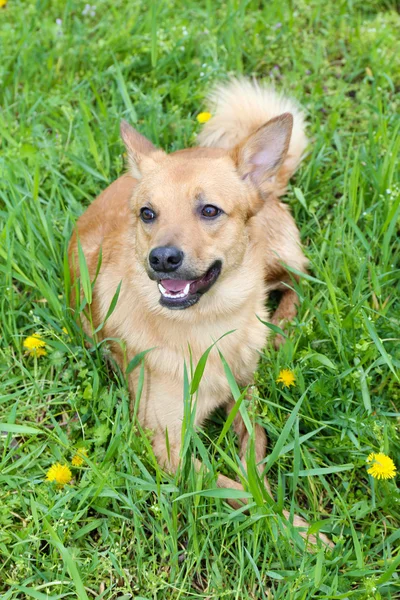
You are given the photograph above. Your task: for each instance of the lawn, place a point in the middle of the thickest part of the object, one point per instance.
(123, 528)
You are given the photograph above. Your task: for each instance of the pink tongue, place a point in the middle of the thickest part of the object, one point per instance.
(173, 285)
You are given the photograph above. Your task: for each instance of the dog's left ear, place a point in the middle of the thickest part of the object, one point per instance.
(142, 154)
(260, 157)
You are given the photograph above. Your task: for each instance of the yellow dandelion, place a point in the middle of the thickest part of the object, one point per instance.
(203, 117)
(59, 473)
(79, 458)
(286, 377)
(35, 345)
(382, 466)
(3, 3)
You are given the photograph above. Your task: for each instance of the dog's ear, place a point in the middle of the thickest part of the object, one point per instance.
(142, 154)
(261, 155)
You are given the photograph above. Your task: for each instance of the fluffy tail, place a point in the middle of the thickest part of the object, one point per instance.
(239, 108)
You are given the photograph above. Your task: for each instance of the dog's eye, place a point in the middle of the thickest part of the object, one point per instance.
(209, 211)
(146, 214)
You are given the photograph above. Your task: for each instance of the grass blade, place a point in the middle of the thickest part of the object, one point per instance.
(68, 561)
(270, 460)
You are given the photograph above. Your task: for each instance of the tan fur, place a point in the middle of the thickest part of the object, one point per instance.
(242, 106)
(254, 236)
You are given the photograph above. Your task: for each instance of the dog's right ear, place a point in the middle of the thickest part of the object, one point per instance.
(142, 154)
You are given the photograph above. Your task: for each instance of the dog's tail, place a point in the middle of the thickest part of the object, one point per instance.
(239, 108)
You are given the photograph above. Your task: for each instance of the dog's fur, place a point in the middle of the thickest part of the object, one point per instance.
(248, 151)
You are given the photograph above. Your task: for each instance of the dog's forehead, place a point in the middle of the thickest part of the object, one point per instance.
(185, 179)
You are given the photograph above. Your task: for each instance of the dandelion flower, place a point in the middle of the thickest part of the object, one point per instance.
(35, 345)
(382, 466)
(3, 3)
(203, 117)
(79, 458)
(59, 473)
(286, 377)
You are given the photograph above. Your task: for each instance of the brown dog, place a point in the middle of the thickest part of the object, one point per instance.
(198, 238)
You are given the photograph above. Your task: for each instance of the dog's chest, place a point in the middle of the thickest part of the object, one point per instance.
(239, 349)
(174, 344)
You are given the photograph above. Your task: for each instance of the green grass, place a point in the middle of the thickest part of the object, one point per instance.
(124, 528)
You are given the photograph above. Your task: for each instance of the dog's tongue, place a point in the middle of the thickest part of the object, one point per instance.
(175, 285)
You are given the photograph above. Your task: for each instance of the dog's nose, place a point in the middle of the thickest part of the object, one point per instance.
(166, 258)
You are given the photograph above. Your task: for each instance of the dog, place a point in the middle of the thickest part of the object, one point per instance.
(198, 239)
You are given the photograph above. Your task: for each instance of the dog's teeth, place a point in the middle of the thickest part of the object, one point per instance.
(168, 294)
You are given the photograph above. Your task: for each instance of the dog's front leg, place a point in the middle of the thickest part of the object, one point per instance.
(169, 458)
(260, 442)
(260, 446)
(167, 453)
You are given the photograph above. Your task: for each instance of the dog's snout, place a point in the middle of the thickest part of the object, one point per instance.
(166, 258)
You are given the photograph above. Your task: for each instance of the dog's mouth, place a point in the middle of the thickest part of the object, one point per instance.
(177, 294)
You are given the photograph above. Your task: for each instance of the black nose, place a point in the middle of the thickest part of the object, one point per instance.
(165, 258)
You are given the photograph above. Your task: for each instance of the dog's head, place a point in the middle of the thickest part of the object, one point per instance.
(191, 209)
